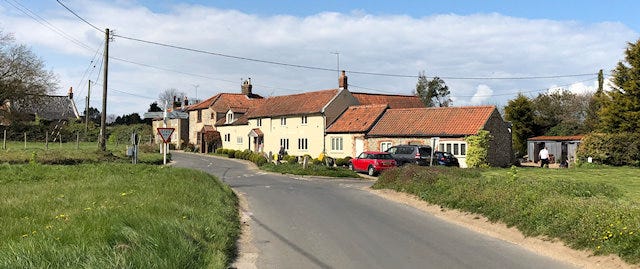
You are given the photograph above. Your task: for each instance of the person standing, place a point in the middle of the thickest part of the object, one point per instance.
(544, 157)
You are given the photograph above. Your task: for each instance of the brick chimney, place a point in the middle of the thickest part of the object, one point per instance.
(342, 81)
(70, 93)
(247, 87)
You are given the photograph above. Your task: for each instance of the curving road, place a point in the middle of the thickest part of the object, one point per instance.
(328, 223)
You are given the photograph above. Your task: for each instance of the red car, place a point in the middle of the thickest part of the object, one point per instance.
(372, 162)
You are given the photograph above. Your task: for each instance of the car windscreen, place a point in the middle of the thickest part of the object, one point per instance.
(424, 151)
(382, 156)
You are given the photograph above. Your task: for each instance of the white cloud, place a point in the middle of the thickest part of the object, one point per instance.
(481, 45)
(482, 96)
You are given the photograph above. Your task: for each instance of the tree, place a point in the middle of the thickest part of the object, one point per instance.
(622, 112)
(432, 92)
(22, 74)
(153, 107)
(94, 115)
(519, 112)
(133, 118)
(560, 113)
(167, 97)
(596, 102)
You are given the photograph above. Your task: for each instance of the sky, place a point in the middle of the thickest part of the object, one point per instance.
(486, 51)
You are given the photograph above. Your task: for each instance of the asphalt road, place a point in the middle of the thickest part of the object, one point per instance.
(327, 223)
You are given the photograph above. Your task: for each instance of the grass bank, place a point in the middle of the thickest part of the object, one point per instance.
(72, 153)
(587, 208)
(115, 216)
(312, 170)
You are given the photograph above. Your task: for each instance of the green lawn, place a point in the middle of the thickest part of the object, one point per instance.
(114, 216)
(596, 209)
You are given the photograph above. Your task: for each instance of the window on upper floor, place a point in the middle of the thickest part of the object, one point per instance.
(199, 116)
(304, 120)
(283, 121)
(259, 121)
(229, 117)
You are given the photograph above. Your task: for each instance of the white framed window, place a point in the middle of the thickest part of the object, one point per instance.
(336, 143)
(229, 117)
(303, 144)
(259, 121)
(384, 146)
(305, 120)
(239, 139)
(283, 121)
(455, 148)
(284, 142)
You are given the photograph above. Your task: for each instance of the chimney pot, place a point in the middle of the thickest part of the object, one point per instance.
(342, 80)
(70, 93)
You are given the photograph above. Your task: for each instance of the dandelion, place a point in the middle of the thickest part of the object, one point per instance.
(34, 232)
(598, 247)
(48, 227)
(25, 235)
(123, 194)
(630, 233)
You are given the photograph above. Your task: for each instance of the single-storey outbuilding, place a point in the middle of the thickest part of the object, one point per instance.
(560, 147)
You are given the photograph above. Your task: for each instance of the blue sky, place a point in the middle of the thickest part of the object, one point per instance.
(451, 39)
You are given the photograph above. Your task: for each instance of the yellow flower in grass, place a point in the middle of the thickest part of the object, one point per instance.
(25, 235)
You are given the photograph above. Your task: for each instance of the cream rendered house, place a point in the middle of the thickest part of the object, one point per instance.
(296, 122)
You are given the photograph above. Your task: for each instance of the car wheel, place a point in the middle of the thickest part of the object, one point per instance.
(372, 172)
(351, 167)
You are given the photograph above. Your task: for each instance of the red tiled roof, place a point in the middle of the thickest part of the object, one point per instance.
(432, 121)
(394, 101)
(242, 120)
(222, 102)
(357, 119)
(556, 138)
(294, 104)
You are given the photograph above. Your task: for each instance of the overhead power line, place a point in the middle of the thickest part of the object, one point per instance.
(78, 16)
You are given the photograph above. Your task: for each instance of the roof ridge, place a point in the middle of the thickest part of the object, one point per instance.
(384, 94)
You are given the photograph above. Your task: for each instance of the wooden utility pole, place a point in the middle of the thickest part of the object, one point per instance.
(86, 113)
(103, 116)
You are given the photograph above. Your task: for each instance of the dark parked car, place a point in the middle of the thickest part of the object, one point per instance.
(416, 154)
(372, 162)
(445, 158)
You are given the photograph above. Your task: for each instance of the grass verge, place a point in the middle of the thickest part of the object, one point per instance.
(115, 216)
(70, 153)
(598, 211)
(312, 170)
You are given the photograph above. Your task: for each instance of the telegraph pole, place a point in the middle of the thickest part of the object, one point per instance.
(86, 113)
(103, 116)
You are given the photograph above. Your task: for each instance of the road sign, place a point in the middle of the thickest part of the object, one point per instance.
(153, 115)
(166, 133)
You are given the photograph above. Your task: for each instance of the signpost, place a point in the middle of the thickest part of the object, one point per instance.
(165, 134)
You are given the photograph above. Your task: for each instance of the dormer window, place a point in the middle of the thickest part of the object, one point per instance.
(229, 117)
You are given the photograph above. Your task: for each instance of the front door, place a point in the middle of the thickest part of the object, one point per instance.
(359, 146)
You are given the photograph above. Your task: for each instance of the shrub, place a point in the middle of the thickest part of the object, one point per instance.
(189, 147)
(343, 161)
(478, 149)
(231, 153)
(317, 162)
(611, 149)
(290, 159)
(220, 151)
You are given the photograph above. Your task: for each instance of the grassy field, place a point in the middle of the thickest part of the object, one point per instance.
(597, 209)
(72, 153)
(114, 216)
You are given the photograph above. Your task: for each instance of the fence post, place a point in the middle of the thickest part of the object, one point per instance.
(4, 141)
(60, 136)
(46, 141)
(77, 140)
(25, 140)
